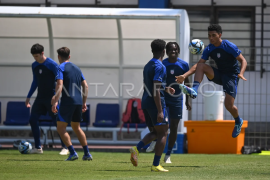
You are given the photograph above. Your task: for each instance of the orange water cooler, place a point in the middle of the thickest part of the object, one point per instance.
(214, 137)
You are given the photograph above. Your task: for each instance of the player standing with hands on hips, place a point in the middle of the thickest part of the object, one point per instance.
(226, 56)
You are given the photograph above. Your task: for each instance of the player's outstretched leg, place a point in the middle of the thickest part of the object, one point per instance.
(200, 71)
(81, 136)
(188, 91)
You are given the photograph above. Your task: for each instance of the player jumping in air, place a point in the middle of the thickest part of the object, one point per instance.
(226, 56)
(44, 72)
(153, 105)
(70, 78)
(174, 66)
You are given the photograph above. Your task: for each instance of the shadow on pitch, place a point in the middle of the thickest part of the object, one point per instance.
(32, 160)
(116, 170)
(188, 166)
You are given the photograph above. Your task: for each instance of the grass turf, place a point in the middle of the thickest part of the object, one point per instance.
(51, 165)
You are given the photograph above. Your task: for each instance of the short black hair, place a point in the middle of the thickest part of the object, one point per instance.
(168, 45)
(37, 49)
(215, 27)
(158, 45)
(63, 52)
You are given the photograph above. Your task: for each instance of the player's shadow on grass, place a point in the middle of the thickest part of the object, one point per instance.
(32, 160)
(189, 166)
(116, 170)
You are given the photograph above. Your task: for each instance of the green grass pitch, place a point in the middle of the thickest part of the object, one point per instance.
(50, 165)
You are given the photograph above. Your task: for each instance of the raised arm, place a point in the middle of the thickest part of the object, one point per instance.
(180, 79)
(243, 62)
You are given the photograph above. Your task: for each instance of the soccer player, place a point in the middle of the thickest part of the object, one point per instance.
(226, 55)
(174, 66)
(70, 78)
(44, 72)
(153, 105)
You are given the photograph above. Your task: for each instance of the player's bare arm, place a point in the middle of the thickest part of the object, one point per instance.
(243, 62)
(188, 105)
(180, 79)
(85, 94)
(56, 97)
(156, 94)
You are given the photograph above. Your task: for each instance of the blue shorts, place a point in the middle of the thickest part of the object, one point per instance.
(41, 107)
(174, 111)
(229, 82)
(151, 117)
(68, 113)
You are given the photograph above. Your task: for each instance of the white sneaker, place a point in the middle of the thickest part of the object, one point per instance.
(64, 151)
(167, 159)
(36, 151)
(151, 148)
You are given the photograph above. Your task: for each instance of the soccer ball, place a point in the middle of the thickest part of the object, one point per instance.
(196, 46)
(24, 147)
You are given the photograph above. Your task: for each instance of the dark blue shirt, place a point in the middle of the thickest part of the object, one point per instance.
(44, 79)
(224, 56)
(154, 70)
(180, 67)
(72, 78)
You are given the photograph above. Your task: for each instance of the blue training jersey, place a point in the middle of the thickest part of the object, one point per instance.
(154, 70)
(180, 67)
(44, 79)
(72, 78)
(224, 56)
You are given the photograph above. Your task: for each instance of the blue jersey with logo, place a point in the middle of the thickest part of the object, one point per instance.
(154, 70)
(72, 78)
(224, 56)
(44, 79)
(180, 67)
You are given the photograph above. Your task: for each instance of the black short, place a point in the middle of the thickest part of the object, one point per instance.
(229, 82)
(41, 107)
(68, 113)
(151, 117)
(174, 111)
